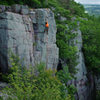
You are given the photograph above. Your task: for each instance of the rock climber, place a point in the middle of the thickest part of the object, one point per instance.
(46, 27)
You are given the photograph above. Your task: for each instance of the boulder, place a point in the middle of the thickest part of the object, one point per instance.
(33, 17)
(16, 8)
(24, 10)
(8, 8)
(3, 85)
(2, 8)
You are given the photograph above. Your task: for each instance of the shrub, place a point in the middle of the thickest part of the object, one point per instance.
(90, 32)
(67, 50)
(33, 83)
(64, 76)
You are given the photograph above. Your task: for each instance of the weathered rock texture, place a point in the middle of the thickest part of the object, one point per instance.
(22, 31)
(84, 82)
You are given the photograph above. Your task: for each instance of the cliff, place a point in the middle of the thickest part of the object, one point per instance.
(84, 81)
(22, 31)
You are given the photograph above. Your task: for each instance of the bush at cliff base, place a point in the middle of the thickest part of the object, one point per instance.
(29, 84)
(91, 40)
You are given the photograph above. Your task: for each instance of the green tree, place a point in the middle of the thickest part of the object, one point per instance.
(91, 40)
(34, 83)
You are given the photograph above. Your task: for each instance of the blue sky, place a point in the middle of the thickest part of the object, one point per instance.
(88, 1)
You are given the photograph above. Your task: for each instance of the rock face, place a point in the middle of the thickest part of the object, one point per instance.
(84, 81)
(22, 31)
(46, 49)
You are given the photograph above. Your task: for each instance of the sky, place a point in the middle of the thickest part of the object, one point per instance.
(88, 1)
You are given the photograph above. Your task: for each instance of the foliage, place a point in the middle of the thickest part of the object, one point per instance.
(31, 3)
(67, 49)
(90, 31)
(64, 77)
(64, 36)
(77, 9)
(34, 84)
(98, 95)
(72, 90)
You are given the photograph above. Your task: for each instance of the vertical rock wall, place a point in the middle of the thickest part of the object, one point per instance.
(84, 81)
(22, 31)
(45, 49)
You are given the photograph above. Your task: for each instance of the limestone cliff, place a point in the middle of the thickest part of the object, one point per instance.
(84, 81)
(22, 31)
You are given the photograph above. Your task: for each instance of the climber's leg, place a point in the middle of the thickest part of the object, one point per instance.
(46, 30)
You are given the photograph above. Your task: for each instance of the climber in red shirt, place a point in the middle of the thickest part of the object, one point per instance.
(46, 27)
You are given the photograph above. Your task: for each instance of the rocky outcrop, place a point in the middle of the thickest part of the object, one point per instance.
(22, 31)
(3, 85)
(84, 82)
